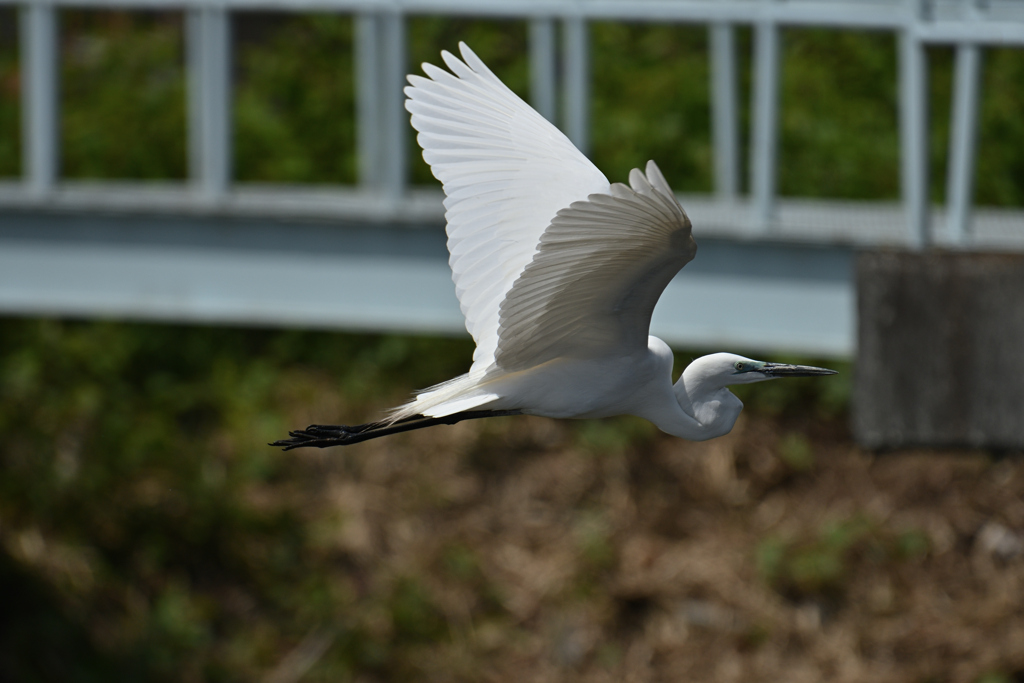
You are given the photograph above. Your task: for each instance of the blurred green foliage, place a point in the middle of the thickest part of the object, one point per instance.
(665, 115)
(10, 101)
(613, 435)
(122, 95)
(820, 565)
(839, 123)
(997, 677)
(133, 460)
(1000, 171)
(796, 451)
(294, 108)
(136, 480)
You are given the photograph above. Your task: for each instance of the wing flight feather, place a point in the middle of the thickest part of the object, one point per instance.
(601, 266)
(506, 173)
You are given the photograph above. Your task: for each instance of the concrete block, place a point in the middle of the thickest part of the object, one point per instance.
(940, 354)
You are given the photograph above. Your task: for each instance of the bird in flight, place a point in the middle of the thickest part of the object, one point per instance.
(557, 272)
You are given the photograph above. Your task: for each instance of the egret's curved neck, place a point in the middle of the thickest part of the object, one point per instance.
(708, 400)
(697, 407)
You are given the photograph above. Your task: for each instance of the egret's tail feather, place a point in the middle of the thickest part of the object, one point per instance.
(324, 436)
(457, 395)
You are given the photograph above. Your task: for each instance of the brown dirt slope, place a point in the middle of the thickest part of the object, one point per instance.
(549, 551)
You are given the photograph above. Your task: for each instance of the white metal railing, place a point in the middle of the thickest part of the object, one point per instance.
(970, 25)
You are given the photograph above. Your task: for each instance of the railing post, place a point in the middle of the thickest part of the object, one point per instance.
(963, 139)
(576, 83)
(913, 84)
(396, 123)
(764, 147)
(542, 66)
(368, 99)
(209, 100)
(724, 122)
(40, 101)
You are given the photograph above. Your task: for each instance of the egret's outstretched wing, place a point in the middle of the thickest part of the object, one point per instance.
(592, 285)
(506, 172)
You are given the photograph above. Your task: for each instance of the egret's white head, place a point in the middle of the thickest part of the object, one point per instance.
(723, 369)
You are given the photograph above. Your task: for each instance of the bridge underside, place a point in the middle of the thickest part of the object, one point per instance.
(738, 294)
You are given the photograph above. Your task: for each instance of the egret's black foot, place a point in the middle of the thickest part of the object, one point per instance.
(324, 436)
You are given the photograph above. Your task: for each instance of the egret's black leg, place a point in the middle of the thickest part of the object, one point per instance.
(324, 436)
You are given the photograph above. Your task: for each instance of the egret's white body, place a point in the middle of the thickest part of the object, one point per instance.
(557, 272)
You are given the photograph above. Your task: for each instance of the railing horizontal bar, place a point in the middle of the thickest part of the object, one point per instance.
(986, 32)
(807, 221)
(242, 199)
(851, 13)
(998, 28)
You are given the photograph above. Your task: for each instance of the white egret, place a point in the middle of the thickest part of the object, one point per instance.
(557, 272)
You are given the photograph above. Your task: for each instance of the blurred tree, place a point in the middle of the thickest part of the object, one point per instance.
(839, 128)
(122, 95)
(10, 103)
(294, 106)
(139, 488)
(999, 176)
(663, 115)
